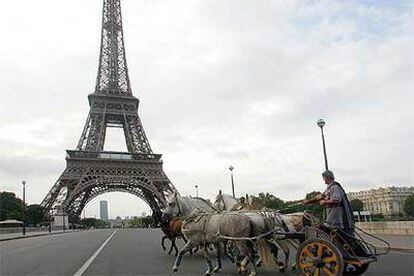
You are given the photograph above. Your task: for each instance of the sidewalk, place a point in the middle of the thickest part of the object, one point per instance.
(15, 236)
(397, 242)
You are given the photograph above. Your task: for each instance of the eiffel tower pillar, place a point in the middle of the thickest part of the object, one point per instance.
(91, 171)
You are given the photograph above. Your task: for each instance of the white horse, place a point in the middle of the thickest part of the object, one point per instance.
(215, 228)
(280, 222)
(184, 206)
(224, 202)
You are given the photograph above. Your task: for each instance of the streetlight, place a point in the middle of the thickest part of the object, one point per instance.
(321, 123)
(24, 207)
(196, 187)
(231, 168)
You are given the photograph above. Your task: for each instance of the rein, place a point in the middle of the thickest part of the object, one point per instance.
(249, 239)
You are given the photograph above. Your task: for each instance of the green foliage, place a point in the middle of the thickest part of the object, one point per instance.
(11, 207)
(93, 222)
(34, 214)
(409, 206)
(357, 205)
(273, 202)
(135, 222)
(316, 209)
(270, 201)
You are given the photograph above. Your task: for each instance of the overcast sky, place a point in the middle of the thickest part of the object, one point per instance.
(221, 83)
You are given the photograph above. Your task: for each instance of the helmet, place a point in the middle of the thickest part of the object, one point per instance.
(329, 174)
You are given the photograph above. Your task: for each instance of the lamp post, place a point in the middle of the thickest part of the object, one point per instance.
(231, 168)
(24, 207)
(50, 222)
(321, 123)
(196, 187)
(63, 216)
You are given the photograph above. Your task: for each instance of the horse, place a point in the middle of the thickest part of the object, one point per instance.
(224, 202)
(284, 223)
(280, 222)
(178, 208)
(216, 228)
(183, 206)
(171, 227)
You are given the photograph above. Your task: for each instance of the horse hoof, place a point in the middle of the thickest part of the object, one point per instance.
(282, 269)
(216, 270)
(293, 267)
(175, 269)
(207, 273)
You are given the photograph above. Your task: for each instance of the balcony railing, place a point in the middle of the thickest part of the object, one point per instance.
(114, 155)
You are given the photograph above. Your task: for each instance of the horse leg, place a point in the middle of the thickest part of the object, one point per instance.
(249, 253)
(162, 242)
(252, 256)
(244, 251)
(207, 258)
(179, 257)
(218, 257)
(172, 245)
(286, 251)
(185, 240)
(176, 248)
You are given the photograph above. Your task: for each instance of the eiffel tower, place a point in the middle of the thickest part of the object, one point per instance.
(90, 171)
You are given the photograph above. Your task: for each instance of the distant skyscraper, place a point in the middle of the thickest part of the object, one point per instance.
(103, 209)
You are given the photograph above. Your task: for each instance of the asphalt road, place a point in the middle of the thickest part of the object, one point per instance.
(129, 252)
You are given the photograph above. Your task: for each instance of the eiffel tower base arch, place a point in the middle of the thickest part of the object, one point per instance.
(90, 174)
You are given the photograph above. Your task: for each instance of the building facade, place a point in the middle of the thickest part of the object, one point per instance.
(387, 201)
(103, 209)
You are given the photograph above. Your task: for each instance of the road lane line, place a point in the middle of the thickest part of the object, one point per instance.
(90, 260)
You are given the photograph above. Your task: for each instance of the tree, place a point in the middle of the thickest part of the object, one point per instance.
(315, 209)
(409, 206)
(270, 201)
(93, 222)
(357, 205)
(11, 207)
(34, 214)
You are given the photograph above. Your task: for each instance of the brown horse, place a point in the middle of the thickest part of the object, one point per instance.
(172, 231)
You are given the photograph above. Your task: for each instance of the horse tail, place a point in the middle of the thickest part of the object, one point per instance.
(265, 254)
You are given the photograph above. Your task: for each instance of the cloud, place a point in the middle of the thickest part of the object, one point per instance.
(221, 83)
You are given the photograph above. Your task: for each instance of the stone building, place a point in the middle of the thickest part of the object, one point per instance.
(387, 201)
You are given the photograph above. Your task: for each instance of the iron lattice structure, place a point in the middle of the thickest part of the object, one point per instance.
(91, 171)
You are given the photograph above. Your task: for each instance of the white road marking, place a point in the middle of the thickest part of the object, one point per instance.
(90, 260)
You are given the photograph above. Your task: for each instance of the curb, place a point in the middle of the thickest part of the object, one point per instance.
(402, 249)
(32, 236)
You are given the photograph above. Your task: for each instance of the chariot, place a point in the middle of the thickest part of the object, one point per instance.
(327, 250)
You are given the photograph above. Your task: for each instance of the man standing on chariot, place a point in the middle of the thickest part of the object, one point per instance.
(338, 209)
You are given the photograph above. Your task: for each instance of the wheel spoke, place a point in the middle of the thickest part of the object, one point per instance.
(330, 259)
(307, 252)
(306, 265)
(320, 251)
(326, 271)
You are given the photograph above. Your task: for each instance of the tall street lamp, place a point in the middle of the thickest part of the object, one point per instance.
(196, 187)
(321, 123)
(231, 168)
(24, 207)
